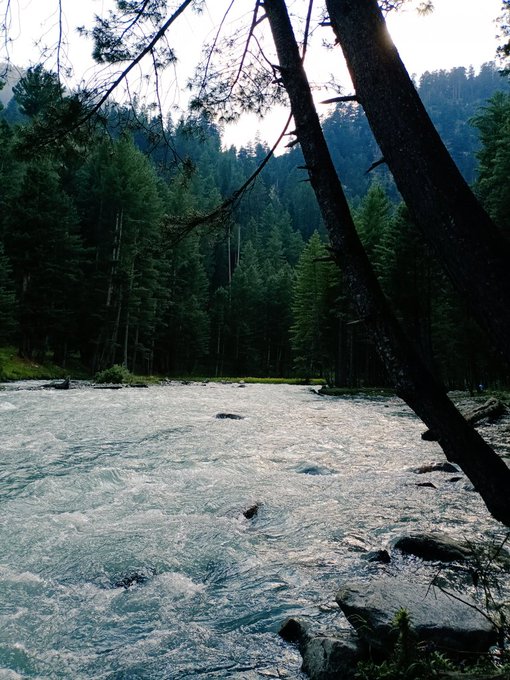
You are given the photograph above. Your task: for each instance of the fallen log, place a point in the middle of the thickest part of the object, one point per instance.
(493, 408)
(64, 385)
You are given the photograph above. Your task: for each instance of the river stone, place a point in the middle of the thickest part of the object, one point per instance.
(229, 416)
(381, 556)
(331, 658)
(436, 467)
(451, 625)
(296, 631)
(252, 511)
(434, 547)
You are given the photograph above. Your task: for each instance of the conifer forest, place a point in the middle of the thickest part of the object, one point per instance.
(113, 251)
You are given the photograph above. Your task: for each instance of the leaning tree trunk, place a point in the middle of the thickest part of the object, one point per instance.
(459, 231)
(414, 383)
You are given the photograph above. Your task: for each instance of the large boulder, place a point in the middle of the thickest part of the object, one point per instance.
(229, 416)
(434, 547)
(452, 626)
(331, 658)
(296, 631)
(436, 467)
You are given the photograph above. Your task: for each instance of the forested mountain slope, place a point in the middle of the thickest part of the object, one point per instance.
(90, 265)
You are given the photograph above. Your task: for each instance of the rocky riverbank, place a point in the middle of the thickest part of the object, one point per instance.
(456, 619)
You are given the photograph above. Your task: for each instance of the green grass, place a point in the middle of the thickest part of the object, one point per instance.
(251, 379)
(352, 391)
(14, 367)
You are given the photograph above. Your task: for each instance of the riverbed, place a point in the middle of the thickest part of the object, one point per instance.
(125, 550)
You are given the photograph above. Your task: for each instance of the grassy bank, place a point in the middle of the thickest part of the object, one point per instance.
(250, 379)
(353, 391)
(14, 367)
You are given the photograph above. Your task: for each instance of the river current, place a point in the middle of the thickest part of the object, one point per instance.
(124, 549)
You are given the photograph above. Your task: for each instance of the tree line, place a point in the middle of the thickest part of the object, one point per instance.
(90, 265)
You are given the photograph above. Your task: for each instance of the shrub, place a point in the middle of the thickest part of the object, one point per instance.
(116, 374)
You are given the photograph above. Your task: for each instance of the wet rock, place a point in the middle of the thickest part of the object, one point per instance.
(436, 467)
(252, 511)
(381, 556)
(315, 470)
(229, 416)
(136, 578)
(62, 385)
(433, 547)
(453, 627)
(492, 410)
(295, 631)
(331, 658)
(138, 384)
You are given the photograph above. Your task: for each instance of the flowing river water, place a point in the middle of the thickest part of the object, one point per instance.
(124, 549)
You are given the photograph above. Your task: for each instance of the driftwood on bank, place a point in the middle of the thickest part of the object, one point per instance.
(493, 408)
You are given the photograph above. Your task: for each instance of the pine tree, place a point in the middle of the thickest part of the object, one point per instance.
(45, 250)
(492, 185)
(372, 220)
(121, 207)
(312, 328)
(246, 295)
(8, 307)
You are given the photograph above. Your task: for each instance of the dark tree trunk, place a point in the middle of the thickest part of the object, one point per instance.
(414, 383)
(456, 227)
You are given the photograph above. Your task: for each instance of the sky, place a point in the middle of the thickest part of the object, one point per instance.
(457, 33)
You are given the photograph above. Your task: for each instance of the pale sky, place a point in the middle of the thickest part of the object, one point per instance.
(457, 33)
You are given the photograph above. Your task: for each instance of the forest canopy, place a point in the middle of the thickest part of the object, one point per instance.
(91, 267)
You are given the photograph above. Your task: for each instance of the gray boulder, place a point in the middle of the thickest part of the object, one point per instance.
(332, 658)
(229, 416)
(295, 631)
(436, 467)
(434, 547)
(452, 626)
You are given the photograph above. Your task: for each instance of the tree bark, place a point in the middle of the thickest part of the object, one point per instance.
(473, 251)
(413, 382)
(493, 409)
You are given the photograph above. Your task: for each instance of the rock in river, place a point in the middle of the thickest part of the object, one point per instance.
(434, 547)
(229, 416)
(332, 658)
(452, 626)
(436, 467)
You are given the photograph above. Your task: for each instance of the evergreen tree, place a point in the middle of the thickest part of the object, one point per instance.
(121, 207)
(246, 295)
(312, 328)
(183, 338)
(8, 309)
(372, 220)
(44, 248)
(492, 185)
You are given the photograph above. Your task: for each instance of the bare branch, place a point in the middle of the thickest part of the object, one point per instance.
(188, 225)
(60, 37)
(147, 50)
(247, 45)
(307, 29)
(213, 46)
(335, 100)
(375, 165)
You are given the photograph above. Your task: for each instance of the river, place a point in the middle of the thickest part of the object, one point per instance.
(124, 549)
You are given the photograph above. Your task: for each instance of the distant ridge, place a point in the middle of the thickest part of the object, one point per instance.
(9, 74)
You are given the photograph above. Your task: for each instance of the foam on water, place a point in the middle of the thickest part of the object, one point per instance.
(125, 551)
